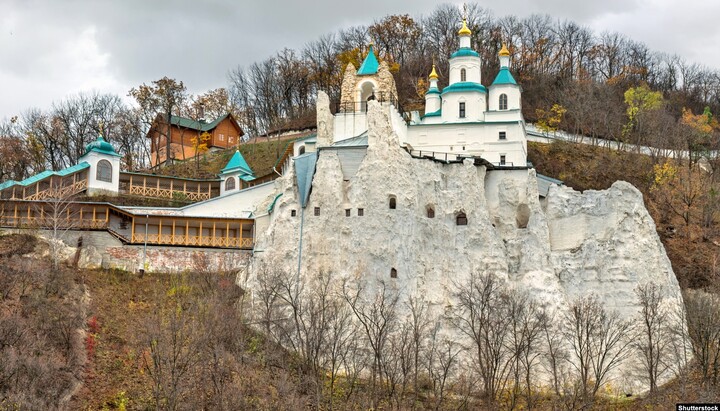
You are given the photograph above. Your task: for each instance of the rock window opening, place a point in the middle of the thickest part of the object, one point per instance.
(293, 213)
(361, 212)
(393, 273)
(462, 110)
(393, 203)
(104, 171)
(230, 184)
(347, 212)
(461, 219)
(503, 102)
(502, 135)
(317, 211)
(463, 74)
(430, 212)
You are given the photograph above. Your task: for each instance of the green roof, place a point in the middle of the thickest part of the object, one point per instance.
(433, 114)
(504, 77)
(464, 86)
(45, 174)
(272, 205)
(370, 65)
(465, 52)
(196, 125)
(101, 146)
(237, 163)
(432, 90)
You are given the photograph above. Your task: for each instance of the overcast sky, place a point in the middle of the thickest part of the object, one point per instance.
(50, 49)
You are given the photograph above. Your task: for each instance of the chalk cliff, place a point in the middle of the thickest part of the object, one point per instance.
(570, 245)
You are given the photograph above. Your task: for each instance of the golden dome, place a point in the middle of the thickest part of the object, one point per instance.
(504, 51)
(464, 31)
(433, 74)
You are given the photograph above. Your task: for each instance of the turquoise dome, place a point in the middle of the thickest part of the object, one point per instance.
(100, 146)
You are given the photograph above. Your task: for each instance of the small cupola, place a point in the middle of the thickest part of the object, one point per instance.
(432, 96)
(104, 162)
(464, 33)
(370, 65)
(504, 76)
(235, 173)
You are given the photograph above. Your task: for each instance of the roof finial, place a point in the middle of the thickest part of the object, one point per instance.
(464, 31)
(504, 51)
(433, 74)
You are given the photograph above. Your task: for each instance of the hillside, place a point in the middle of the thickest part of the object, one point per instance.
(261, 156)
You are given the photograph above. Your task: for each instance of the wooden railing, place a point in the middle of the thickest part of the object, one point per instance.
(167, 193)
(190, 240)
(59, 192)
(49, 223)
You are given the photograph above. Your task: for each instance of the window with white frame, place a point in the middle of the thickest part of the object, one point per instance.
(104, 171)
(503, 102)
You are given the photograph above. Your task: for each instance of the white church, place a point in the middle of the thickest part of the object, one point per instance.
(464, 119)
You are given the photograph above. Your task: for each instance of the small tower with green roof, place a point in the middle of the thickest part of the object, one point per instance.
(104, 173)
(234, 174)
(372, 81)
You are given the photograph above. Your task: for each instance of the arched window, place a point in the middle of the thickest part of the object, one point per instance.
(463, 75)
(230, 184)
(393, 273)
(104, 171)
(503, 102)
(461, 110)
(302, 150)
(430, 212)
(461, 219)
(393, 203)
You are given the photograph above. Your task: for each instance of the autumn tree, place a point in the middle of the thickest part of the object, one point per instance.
(200, 146)
(161, 97)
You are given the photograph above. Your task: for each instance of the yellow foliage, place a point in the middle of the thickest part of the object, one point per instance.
(704, 123)
(640, 100)
(663, 174)
(549, 120)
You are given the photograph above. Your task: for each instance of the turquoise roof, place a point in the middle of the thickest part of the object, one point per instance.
(504, 77)
(464, 86)
(45, 174)
(272, 205)
(196, 125)
(237, 163)
(433, 114)
(465, 52)
(370, 65)
(304, 172)
(101, 146)
(432, 90)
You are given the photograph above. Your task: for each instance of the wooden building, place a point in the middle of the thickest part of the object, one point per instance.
(224, 132)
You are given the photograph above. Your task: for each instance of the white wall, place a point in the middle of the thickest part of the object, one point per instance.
(94, 185)
(471, 65)
(513, 94)
(474, 106)
(473, 139)
(234, 205)
(347, 125)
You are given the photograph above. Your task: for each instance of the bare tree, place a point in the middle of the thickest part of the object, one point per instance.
(654, 341)
(703, 317)
(599, 340)
(482, 316)
(375, 308)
